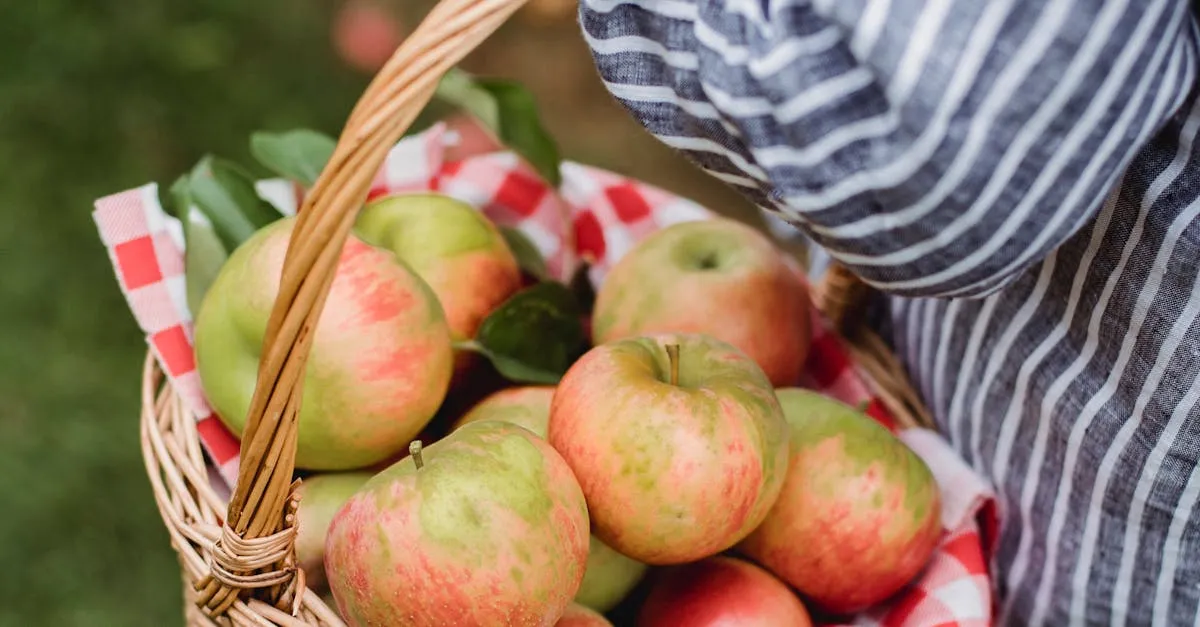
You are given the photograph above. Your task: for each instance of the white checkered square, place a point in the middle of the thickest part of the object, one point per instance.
(153, 307)
(281, 193)
(119, 218)
(188, 387)
(961, 598)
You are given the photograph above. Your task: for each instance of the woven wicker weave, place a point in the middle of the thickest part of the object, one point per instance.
(243, 572)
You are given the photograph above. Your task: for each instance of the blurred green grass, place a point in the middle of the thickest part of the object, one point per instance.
(99, 97)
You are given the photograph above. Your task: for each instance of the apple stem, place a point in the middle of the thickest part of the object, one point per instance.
(673, 358)
(414, 449)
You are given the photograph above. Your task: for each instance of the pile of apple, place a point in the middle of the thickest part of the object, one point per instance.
(672, 474)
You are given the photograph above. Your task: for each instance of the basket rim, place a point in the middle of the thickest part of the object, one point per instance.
(192, 510)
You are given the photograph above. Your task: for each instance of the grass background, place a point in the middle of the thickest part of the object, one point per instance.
(97, 97)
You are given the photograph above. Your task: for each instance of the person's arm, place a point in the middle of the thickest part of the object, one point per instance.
(935, 147)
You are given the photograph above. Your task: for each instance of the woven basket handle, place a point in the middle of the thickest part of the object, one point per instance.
(260, 521)
(256, 551)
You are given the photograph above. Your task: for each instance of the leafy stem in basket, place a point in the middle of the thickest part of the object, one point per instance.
(204, 256)
(219, 208)
(225, 194)
(298, 155)
(508, 109)
(534, 336)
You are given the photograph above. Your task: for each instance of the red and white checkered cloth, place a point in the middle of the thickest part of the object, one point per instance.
(605, 215)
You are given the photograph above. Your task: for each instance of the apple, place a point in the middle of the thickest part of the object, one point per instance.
(860, 512)
(721, 591)
(718, 277)
(677, 440)
(452, 246)
(527, 406)
(580, 616)
(365, 34)
(380, 360)
(487, 526)
(321, 496)
(609, 576)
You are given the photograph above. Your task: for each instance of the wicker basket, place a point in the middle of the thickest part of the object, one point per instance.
(237, 557)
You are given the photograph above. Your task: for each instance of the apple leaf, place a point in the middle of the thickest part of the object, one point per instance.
(203, 257)
(509, 110)
(512, 369)
(535, 335)
(204, 254)
(180, 197)
(299, 154)
(529, 258)
(462, 90)
(225, 194)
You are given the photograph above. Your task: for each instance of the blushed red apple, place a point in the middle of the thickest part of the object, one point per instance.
(859, 515)
(527, 406)
(721, 592)
(487, 526)
(676, 466)
(609, 576)
(452, 246)
(717, 277)
(380, 362)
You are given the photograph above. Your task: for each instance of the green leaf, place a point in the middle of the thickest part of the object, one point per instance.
(535, 335)
(462, 90)
(512, 369)
(203, 257)
(299, 154)
(180, 198)
(529, 258)
(521, 129)
(204, 254)
(509, 110)
(225, 194)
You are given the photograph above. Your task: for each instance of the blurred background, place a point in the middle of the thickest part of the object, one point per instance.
(98, 97)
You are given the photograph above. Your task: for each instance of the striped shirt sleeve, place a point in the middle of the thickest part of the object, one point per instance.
(935, 147)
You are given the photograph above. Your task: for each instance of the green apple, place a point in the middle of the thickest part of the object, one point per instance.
(321, 496)
(609, 575)
(380, 361)
(859, 515)
(581, 616)
(680, 455)
(717, 277)
(459, 252)
(487, 526)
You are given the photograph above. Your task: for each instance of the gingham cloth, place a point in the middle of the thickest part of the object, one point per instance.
(605, 215)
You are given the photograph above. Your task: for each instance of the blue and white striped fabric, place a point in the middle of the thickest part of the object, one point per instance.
(1023, 179)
